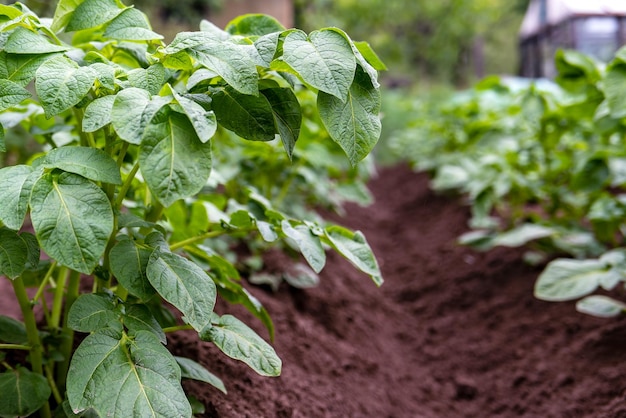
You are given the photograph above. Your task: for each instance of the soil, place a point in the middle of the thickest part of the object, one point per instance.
(451, 333)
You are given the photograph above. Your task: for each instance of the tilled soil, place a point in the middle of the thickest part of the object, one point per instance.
(451, 333)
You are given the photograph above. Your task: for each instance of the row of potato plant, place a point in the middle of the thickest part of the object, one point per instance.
(131, 167)
(543, 165)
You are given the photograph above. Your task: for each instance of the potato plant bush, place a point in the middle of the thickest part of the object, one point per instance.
(543, 165)
(150, 162)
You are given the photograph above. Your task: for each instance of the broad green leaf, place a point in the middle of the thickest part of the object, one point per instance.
(266, 46)
(267, 231)
(90, 163)
(231, 62)
(131, 25)
(72, 218)
(139, 318)
(10, 12)
(615, 90)
(368, 53)
(354, 123)
(92, 13)
(301, 276)
(193, 370)
(522, 235)
(63, 13)
(361, 60)
(173, 161)
(150, 79)
(13, 253)
(128, 262)
(324, 60)
(250, 117)
(310, 245)
(566, 279)
(61, 84)
(217, 33)
(16, 183)
(20, 68)
(133, 109)
(119, 376)
(240, 342)
(23, 392)
(287, 115)
(254, 24)
(92, 312)
(354, 247)
(11, 94)
(33, 250)
(98, 113)
(24, 41)
(105, 74)
(593, 176)
(204, 122)
(12, 331)
(600, 306)
(185, 285)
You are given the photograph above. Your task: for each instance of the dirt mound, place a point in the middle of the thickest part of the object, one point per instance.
(451, 333)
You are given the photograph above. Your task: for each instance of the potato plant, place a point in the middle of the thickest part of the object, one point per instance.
(149, 162)
(542, 164)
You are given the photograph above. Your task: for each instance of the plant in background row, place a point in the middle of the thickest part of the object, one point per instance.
(133, 208)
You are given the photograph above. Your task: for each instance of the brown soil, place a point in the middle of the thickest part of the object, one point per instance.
(451, 333)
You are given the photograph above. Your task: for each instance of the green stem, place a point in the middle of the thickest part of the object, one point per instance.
(199, 238)
(125, 186)
(57, 303)
(86, 139)
(53, 386)
(177, 328)
(122, 154)
(36, 350)
(45, 281)
(15, 347)
(67, 343)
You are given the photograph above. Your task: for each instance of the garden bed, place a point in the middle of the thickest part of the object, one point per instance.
(451, 333)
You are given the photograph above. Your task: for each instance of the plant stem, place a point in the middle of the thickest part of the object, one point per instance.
(67, 343)
(177, 328)
(199, 238)
(45, 281)
(15, 347)
(53, 386)
(36, 350)
(57, 304)
(124, 189)
(86, 139)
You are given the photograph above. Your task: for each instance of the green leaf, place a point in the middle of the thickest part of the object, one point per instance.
(11, 94)
(20, 68)
(131, 25)
(13, 253)
(33, 250)
(105, 74)
(92, 312)
(24, 41)
(592, 177)
(566, 279)
(354, 247)
(150, 79)
(324, 60)
(16, 183)
(368, 53)
(267, 46)
(173, 161)
(63, 13)
(90, 163)
(133, 109)
(310, 245)
(72, 218)
(12, 331)
(615, 90)
(522, 235)
(118, 376)
(185, 285)
(92, 13)
(254, 24)
(139, 318)
(98, 113)
(61, 84)
(240, 342)
(287, 115)
(250, 117)
(193, 370)
(600, 306)
(23, 392)
(128, 262)
(354, 123)
(203, 122)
